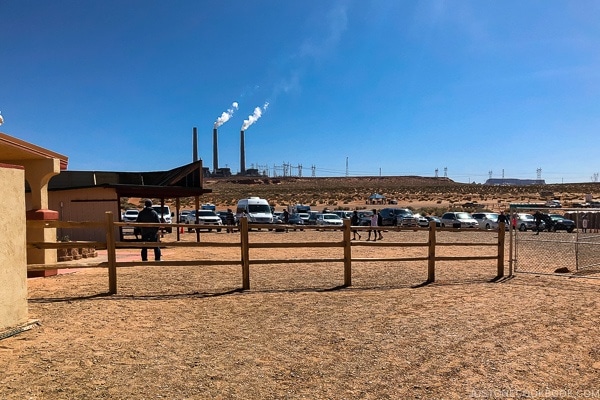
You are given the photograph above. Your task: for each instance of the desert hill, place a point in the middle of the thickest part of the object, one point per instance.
(410, 191)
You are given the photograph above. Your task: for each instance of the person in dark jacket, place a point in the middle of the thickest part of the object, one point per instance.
(355, 221)
(379, 223)
(230, 220)
(149, 234)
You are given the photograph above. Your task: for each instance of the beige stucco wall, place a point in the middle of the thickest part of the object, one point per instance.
(13, 249)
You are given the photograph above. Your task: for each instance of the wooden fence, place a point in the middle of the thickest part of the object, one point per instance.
(346, 244)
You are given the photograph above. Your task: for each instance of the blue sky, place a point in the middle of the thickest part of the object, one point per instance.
(384, 87)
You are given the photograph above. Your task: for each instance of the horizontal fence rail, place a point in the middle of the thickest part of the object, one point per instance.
(245, 245)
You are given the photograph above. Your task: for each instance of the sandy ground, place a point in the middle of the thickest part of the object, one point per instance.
(190, 333)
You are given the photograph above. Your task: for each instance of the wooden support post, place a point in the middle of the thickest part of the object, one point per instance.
(111, 253)
(347, 254)
(431, 253)
(245, 253)
(501, 234)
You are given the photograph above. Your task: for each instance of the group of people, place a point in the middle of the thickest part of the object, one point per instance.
(375, 220)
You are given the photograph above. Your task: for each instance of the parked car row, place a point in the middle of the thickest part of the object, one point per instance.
(259, 210)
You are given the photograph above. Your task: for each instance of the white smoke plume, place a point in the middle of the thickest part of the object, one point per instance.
(226, 115)
(1, 119)
(255, 116)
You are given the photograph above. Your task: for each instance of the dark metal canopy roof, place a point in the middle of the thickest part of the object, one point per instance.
(184, 181)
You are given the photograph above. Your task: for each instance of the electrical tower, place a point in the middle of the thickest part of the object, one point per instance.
(436, 172)
(539, 174)
(445, 172)
(346, 167)
(490, 173)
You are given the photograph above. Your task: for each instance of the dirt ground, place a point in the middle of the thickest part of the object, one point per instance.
(190, 333)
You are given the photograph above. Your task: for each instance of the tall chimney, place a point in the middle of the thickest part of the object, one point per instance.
(242, 154)
(195, 144)
(215, 151)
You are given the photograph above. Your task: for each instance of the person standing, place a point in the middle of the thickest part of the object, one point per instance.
(379, 223)
(354, 221)
(286, 216)
(584, 223)
(149, 234)
(503, 218)
(374, 219)
(229, 220)
(538, 221)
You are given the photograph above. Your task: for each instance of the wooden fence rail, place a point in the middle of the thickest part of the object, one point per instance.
(111, 245)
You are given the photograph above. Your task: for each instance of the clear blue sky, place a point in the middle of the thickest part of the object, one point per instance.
(393, 87)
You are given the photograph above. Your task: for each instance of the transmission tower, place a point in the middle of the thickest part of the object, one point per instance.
(436, 172)
(313, 171)
(539, 174)
(490, 173)
(445, 172)
(346, 167)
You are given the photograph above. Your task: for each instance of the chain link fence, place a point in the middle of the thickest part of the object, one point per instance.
(558, 249)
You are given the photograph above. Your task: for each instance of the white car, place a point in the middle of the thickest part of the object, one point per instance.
(130, 215)
(205, 217)
(458, 219)
(421, 220)
(486, 220)
(329, 219)
(526, 222)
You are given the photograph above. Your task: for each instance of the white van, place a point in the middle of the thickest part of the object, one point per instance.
(256, 209)
(165, 215)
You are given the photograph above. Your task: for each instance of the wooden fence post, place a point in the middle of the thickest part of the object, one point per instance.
(245, 253)
(111, 253)
(347, 254)
(501, 234)
(431, 253)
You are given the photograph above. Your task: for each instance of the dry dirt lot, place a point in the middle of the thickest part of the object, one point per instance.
(190, 333)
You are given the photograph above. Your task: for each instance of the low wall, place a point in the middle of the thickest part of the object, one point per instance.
(13, 248)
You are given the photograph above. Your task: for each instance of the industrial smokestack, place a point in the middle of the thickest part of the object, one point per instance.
(215, 151)
(242, 154)
(195, 144)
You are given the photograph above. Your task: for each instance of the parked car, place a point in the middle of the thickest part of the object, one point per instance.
(481, 218)
(438, 222)
(390, 216)
(553, 204)
(406, 218)
(182, 216)
(421, 221)
(329, 219)
(364, 217)
(492, 222)
(556, 222)
(312, 218)
(205, 217)
(165, 215)
(458, 219)
(130, 215)
(488, 220)
(342, 213)
(295, 219)
(305, 216)
(526, 222)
